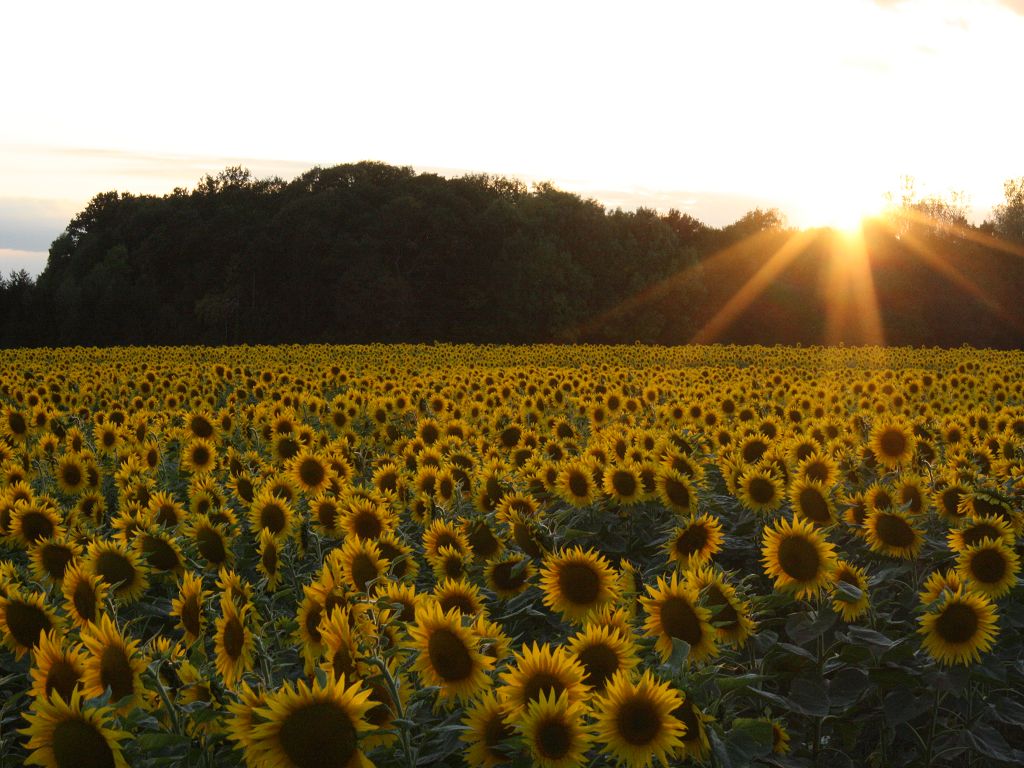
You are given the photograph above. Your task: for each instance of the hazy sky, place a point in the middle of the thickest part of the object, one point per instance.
(813, 107)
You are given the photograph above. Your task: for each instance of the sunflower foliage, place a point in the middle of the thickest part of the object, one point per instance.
(482, 556)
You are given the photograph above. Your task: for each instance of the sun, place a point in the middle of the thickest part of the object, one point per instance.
(843, 210)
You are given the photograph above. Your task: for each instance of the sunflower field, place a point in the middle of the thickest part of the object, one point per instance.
(315, 557)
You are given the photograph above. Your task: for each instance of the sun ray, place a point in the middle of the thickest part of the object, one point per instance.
(753, 288)
(851, 301)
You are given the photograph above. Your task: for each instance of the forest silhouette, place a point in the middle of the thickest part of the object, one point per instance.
(370, 252)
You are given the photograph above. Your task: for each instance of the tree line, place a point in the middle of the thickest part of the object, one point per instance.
(371, 252)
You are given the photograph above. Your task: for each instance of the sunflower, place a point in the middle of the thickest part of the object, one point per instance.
(50, 559)
(199, 456)
(234, 642)
(938, 583)
(33, 521)
(55, 668)
(482, 539)
(577, 583)
(990, 567)
(510, 575)
(538, 669)
(460, 594)
(24, 618)
(780, 739)
(70, 474)
(326, 516)
(979, 529)
(160, 550)
(760, 490)
(120, 568)
(893, 533)
(675, 490)
(603, 651)
(113, 662)
(268, 511)
(673, 613)
(447, 653)
(339, 645)
(730, 615)
(304, 726)
(846, 606)
(443, 533)
(188, 607)
(361, 563)
(368, 519)
(697, 542)
(622, 484)
(211, 541)
(958, 629)
(309, 472)
(269, 563)
(63, 734)
(818, 467)
(404, 566)
(165, 511)
(634, 720)
(798, 557)
(401, 597)
(892, 443)
(487, 732)
(84, 594)
(575, 484)
(696, 743)
(450, 563)
(554, 731)
(811, 501)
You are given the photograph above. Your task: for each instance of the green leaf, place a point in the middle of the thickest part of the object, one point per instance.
(809, 625)
(847, 592)
(846, 686)
(748, 739)
(858, 634)
(155, 741)
(991, 743)
(810, 696)
(902, 706)
(680, 650)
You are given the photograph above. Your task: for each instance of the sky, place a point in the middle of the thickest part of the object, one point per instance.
(815, 108)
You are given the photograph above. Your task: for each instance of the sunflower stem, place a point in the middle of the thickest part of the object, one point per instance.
(930, 746)
(403, 730)
(818, 721)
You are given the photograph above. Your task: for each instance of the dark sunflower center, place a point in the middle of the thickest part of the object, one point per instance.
(893, 530)
(458, 600)
(688, 717)
(201, 427)
(287, 447)
(726, 615)
(911, 496)
(553, 739)
(816, 471)
(343, 663)
(638, 722)
(367, 525)
(988, 566)
(495, 731)
(84, 599)
(25, 621)
(958, 623)
(16, 423)
(211, 545)
(677, 493)
(166, 514)
(761, 490)
(191, 618)
(312, 472)
(503, 577)
(449, 656)
(483, 541)
(245, 490)
(364, 570)
(624, 482)
(234, 638)
(327, 514)
(200, 456)
(893, 443)
(36, 526)
(601, 662)
(542, 682)
(579, 486)
(62, 677)
(55, 560)
(71, 474)
(319, 735)
(272, 516)
(976, 534)
(313, 622)
(77, 744)
(578, 583)
(678, 619)
(115, 568)
(692, 540)
(814, 506)
(799, 558)
(269, 559)
(116, 672)
(160, 553)
(753, 451)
